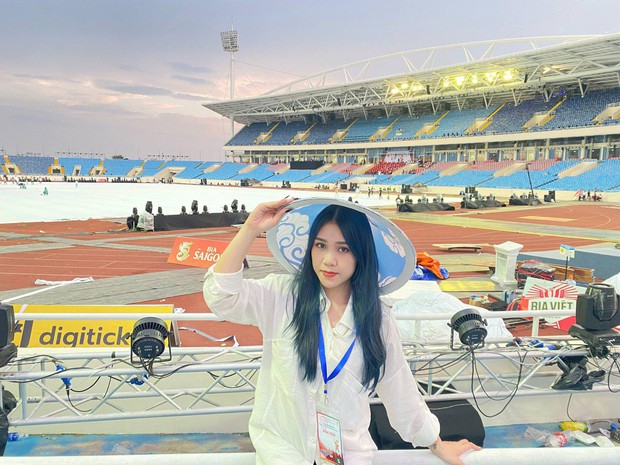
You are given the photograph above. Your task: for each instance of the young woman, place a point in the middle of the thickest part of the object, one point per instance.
(328, 344)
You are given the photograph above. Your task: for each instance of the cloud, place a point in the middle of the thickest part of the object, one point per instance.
(189, 68)
(191, 80)
(132, 68)
(96, 109)
(34, 76)
(139, 90)
(194, 97)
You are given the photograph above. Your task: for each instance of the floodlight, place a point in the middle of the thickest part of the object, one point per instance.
(470, 326)
(229, 41)
(148, 339)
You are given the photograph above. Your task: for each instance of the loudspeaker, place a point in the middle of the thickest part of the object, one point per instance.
(7, 325)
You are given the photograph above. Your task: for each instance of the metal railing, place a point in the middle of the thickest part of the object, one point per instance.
(76, 386)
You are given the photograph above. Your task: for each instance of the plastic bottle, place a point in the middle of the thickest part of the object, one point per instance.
(575, 426)
(17, 436)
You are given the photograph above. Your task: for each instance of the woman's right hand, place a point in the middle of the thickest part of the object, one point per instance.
(266, 215)
(263, 217)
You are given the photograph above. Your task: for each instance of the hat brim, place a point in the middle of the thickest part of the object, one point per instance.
(288, 241)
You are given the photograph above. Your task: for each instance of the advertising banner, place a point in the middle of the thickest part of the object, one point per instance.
(540, 294)
(191, 251)
(83, 332)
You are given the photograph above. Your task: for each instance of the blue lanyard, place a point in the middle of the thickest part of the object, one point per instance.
(323, 360)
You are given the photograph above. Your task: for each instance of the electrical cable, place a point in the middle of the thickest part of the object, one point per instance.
(614, 362)
(568, 407)
(510, 397)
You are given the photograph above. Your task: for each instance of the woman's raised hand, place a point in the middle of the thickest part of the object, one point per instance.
(266, 215)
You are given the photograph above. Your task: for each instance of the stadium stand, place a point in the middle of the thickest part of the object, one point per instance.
(32, 165)
(151, 168)
(119, 167)
(407, 126)
(511, 118)
(463, 178)
(78, 166)
(455, 123)
(292, 176)
(362, 129)
(226, 171)
(284, 133)
(192, 169)
(258, 173)
(605, 176)
(248, 134)
(579, 111)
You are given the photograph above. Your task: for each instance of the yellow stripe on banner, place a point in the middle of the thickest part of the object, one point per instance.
(455, 285)
(81, 333)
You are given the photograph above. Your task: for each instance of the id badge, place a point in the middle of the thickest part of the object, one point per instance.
(329, 439)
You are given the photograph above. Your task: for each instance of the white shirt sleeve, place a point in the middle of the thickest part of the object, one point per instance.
(246, 301)
(405, 406)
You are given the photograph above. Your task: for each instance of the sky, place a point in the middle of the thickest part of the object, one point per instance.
(123, 77)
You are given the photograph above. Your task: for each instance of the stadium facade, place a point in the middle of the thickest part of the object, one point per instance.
(525, 100)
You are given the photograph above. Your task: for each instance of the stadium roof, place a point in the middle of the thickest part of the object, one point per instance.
(486, 72)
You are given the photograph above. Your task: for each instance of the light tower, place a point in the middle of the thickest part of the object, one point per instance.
(231, 45)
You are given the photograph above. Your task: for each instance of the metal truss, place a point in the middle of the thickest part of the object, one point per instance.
(105, 386)
(75, 386)
(500, 370)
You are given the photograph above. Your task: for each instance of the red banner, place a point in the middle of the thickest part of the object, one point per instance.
(191, 251)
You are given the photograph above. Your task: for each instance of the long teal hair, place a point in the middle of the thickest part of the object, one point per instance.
(356, 230)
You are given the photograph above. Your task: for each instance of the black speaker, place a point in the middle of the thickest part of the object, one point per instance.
(7, 325)
(597, 309)
(458, 420)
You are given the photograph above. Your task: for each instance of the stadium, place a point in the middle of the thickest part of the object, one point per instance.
(535, 119)
(506, 119)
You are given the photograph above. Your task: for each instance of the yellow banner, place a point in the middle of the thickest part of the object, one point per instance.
(82, 333)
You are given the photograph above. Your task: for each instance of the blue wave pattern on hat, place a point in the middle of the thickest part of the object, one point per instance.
(291, 237)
